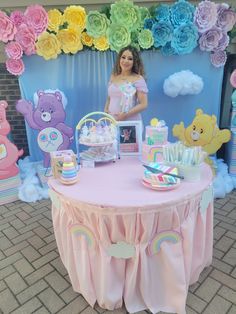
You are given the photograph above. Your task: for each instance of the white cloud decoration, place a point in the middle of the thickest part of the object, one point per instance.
(183, 83)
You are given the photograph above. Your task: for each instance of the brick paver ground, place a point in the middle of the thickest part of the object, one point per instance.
(33, 279)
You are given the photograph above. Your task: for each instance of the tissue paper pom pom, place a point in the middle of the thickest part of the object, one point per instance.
(183, 83)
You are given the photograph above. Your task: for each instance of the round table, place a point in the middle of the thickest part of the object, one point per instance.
(121, 241)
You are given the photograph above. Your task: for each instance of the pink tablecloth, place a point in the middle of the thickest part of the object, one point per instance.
(108, 205)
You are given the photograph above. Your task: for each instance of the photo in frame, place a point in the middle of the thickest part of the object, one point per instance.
(129, 137)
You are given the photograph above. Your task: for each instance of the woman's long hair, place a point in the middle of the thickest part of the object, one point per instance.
(137, 68)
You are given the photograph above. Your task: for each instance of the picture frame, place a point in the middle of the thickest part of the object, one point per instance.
(129, 134)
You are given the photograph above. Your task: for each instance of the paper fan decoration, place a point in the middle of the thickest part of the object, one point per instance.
(233, 79)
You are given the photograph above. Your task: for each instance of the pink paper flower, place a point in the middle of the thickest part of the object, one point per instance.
(7, 28)
(223, 43)
(15, 67)
(14, 50)
(205, 16)
(218, 58)
(233, 79)
(37, 18)
(210, 39)
(226, 17)
(17, 17)
(26, 37)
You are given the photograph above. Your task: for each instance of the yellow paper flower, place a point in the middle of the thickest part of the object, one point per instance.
(86, 39)
(54, 20)
(70, 40)
(101, 43)
(154, 122)
(48, 46)
(75, 16)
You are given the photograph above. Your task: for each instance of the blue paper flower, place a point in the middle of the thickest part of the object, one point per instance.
(181, 12)
(162, 13)
(162, 33)
(168, 50)
(185, 38)
(148, 23)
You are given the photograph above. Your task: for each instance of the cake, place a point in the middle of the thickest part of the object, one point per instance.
(162, 178)
(69, 172)
(156, 136)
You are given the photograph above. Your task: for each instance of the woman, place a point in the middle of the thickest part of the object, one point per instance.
(127, 91)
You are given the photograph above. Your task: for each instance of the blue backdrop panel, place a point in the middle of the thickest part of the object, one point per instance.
(84, 79)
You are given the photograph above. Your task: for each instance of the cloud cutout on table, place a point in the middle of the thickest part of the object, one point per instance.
(121, 250)
(183, 83)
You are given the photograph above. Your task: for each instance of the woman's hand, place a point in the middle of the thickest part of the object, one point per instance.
(121, 116)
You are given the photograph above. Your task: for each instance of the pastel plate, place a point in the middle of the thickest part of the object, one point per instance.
(162, 187)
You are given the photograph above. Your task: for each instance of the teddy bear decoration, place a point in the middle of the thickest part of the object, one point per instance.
(9, 153)
(48, 117)
(204, 132)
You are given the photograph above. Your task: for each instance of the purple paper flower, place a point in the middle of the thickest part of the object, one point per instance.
(223, 43)
(226, 17)
(218, 58)
(210, 40)
(205, 16)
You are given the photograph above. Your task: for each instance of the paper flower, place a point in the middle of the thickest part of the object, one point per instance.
(185, 38)
(13, 50)
(54, 20)
(15, 67)
(86, 39)
(70, 40)
(148, 23)
(181, 12)
(144, 14)
(218, 58)
(223, 42)
(233, 78)
(26, 37)
(18, 18)
(7, 28)
(118, 37)
(96, 24)
(75, 16)
(205, 16)
(48, 46)
(162, 13)
(162, 33)
(37, 18)
(101, 43)
(125, 13)
(226, 17)
(168, 50)
(145, 39)
(210, 39)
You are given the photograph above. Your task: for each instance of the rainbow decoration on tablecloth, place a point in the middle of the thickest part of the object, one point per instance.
(169, 236)
(81, 230)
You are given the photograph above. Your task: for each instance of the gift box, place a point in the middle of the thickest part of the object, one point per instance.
(57, 159)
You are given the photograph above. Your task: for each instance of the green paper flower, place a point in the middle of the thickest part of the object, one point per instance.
(124, 12)
(144, 14)
(118, 37)
(145, 39)
(96, 24)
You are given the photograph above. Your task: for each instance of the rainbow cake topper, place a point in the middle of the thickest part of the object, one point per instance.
(81, 230)
(169, 236)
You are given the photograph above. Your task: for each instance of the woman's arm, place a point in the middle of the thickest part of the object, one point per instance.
(106, 108)
(142, 105)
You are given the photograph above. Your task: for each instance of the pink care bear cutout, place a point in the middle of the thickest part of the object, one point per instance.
(48, 117)
(9, 153)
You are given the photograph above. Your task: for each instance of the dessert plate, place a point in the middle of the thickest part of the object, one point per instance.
(162, 187)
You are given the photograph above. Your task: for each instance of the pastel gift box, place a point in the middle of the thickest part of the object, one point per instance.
(57, 159)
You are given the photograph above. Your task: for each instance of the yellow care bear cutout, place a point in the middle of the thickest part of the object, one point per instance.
(203, 131)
